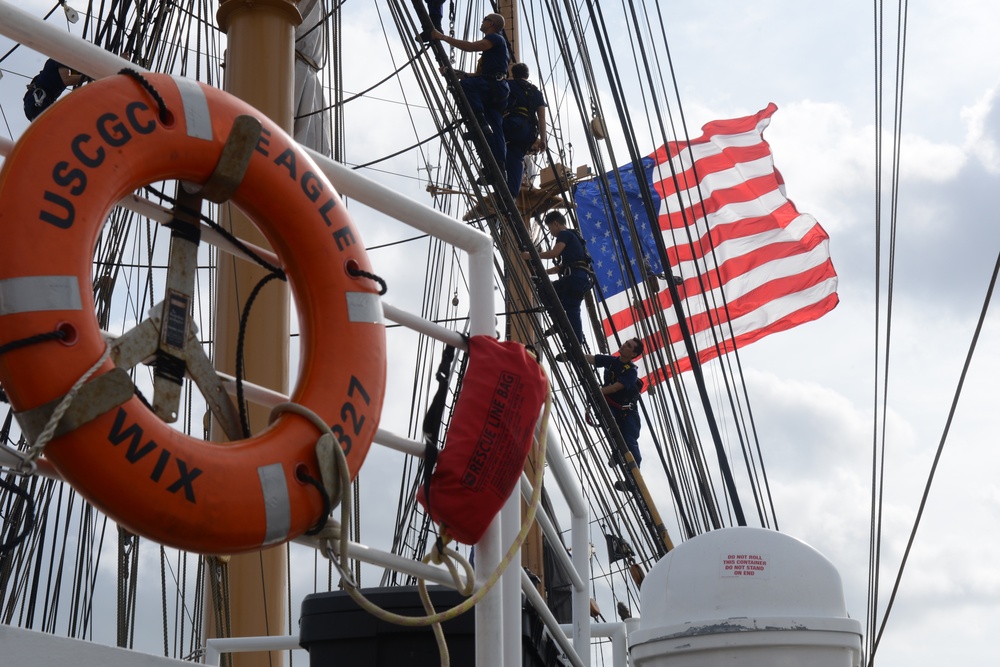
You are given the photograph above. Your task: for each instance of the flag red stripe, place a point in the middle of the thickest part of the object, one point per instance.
(748, 303)
(685, 251)
(720, 127)
(713, 201)
(738, 308)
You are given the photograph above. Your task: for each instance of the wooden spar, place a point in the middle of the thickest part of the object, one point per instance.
(264, 77)
(654, 515)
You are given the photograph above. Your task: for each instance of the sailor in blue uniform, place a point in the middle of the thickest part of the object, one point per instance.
(47, 86)
(523, 125)
(487, 88)
(621, 388)
(435, 12)
(574, 266)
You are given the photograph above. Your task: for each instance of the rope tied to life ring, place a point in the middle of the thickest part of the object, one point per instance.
(359, 273)
(28, 463)
(332, 462)
(165, 115)
(56, 334)
(50, 428)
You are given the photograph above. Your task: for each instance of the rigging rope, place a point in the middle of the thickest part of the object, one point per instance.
(883, 341)
(937, 458)
(23, 504)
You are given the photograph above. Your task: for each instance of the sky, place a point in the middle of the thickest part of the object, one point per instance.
(813, 389)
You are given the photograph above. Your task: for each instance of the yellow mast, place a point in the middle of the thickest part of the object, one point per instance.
(265, 78)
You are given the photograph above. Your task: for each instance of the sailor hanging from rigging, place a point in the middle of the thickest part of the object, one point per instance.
(523, 124)
(487, 88)
(46, 87)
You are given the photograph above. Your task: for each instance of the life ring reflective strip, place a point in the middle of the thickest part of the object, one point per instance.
(57, 187)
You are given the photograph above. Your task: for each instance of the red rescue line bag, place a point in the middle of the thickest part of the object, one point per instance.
(488, 439)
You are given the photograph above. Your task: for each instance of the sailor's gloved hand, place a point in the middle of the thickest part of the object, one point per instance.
(562, 357)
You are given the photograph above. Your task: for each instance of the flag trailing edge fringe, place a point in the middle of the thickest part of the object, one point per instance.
(730, 234)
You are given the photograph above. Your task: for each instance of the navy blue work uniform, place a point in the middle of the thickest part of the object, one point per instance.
(435, 11)
(44, 89)
(487, 92)
(575, 277)
(520, 128)
(624, 402)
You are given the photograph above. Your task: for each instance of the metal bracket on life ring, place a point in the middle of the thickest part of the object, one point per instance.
(168, 337)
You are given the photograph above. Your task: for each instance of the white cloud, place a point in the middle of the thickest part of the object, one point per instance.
(982, 132)
(922, 159)
(827, 159)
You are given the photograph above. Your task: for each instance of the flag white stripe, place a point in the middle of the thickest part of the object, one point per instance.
(732, 213)
(714, 146)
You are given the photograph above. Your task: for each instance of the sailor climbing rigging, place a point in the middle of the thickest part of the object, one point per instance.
(523, 124)
(435, 12)
(621, 388)
(487, 88)
(574, 266)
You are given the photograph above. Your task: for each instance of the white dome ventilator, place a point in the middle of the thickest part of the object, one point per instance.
(744, 596)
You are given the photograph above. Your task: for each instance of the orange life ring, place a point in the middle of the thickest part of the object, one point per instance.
(57, 188)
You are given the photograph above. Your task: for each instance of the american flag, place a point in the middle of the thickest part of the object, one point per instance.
(732, 239)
